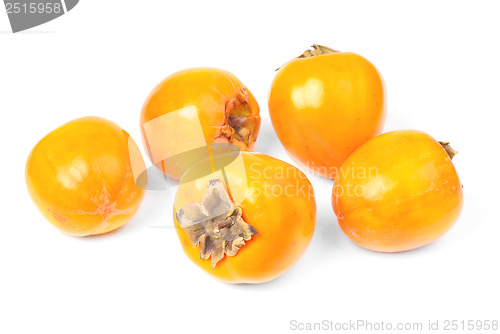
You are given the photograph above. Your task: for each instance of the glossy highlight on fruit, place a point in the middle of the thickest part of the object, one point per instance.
(325, 104)
(244, 217)
(193, 108)
(398, 191)
(82, 176)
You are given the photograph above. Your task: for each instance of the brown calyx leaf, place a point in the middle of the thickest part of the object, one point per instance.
(317, 50)
(215, 224)
(446, 145)
(241, 127)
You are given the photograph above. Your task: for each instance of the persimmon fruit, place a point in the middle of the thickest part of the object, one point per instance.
(398, 191)
(325, 104)
(244, 219)
(191, 109)
(82, 176)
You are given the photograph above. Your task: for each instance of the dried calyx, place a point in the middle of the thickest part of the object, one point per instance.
(446, 145)
(317, 50)
(240, 125)
(215, 224)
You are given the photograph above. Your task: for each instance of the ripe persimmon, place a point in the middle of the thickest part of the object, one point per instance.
(325, 104)
(244, 219)
(82, 176)
(192, 108)
(398, 191)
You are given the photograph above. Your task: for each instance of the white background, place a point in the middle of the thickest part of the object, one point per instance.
(440, 63)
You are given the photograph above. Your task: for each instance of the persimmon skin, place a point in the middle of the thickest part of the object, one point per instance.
(324, 107)
(284, 222)
(81, 179)
(397, 192)
(203, 93)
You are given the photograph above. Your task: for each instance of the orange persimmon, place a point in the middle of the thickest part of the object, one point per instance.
(324, 104)
(81, 176)
(192, 108)
(398, 191)
(244, 218)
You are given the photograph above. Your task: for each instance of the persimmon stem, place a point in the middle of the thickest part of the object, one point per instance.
(216, 224)
(446, 145)
(240, 126)
(317, 50)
